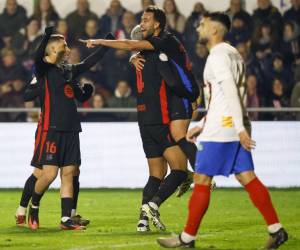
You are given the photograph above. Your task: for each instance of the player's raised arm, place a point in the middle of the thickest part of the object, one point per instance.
(40, 52)
(123, 44)
(91, 60)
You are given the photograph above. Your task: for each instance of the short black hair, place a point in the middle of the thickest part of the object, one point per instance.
(159, 15)
(219, 17)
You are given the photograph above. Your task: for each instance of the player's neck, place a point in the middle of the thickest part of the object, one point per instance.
(52, 60)
(214, 41)
(157, 32)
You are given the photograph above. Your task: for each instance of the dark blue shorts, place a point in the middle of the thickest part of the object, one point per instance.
(222, 158)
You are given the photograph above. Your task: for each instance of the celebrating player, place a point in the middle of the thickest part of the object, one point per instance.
(32, 92)
(157, 39)
(224, 142)
(58, 143)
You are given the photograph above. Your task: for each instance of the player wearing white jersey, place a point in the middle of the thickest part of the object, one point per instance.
(224, 142)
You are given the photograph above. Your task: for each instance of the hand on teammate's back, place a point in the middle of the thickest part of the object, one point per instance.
(138, 61)
(193, 133)
(246, 141)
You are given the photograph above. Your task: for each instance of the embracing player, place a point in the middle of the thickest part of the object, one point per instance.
(58, 144)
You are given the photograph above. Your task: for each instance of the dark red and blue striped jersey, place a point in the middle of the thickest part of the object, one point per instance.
(154, 86)
(59, 110)
(174, 49)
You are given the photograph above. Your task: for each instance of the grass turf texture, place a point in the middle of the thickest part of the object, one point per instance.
(231, 223)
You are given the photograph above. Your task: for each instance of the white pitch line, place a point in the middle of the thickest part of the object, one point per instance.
(112, 246)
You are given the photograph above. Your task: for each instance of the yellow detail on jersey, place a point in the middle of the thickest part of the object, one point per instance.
(227, 122)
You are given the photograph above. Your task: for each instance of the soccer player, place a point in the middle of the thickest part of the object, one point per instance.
(32, 92)
(157, 39)
(224, 144)
(58, 143)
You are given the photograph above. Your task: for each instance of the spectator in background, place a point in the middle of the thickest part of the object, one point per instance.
(290, 46)
(77, 19)
(280, 71)
(112, 19)
(74, 56)
(45, 12)
(237, 7)
(253, 67)
(145, 4)
(264, 43)
(123, 99)
(278, 100)
(91, 31)
(190, 35)
(98, 102)
(295, 99)
(120, 65)
(120, 57)
(25, 45)
(293, 14)
(13, 98)
(266, 12)
(12, 20)
(240, 31)
(175, 20)
(10, 69)
(252, 96)
(128, 23)
(199, 61)
(31, 116)
(63, 29)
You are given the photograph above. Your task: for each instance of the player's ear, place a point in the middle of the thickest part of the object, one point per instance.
(156, 25)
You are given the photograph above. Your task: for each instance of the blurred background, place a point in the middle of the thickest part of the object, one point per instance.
(265, 32)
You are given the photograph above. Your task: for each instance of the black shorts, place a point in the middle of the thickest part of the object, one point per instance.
(180, 108)
(156, 139)
(56, 148)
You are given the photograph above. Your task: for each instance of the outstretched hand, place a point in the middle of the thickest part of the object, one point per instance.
(90, 43)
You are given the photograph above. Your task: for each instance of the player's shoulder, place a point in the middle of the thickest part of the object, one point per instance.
(221, 52)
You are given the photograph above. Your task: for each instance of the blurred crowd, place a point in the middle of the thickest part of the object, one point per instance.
(268, 41)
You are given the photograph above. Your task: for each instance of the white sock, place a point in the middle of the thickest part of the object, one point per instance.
(65, 218)
(274, 228)
(21, 210)
(144, 222)
(73, 212)
(187, 238)
(153, 205)
(34, 207)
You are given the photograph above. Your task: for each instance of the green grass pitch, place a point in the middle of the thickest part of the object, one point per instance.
(231, 223)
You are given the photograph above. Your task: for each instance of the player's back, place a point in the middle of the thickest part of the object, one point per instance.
(223, 63)
(152, 92)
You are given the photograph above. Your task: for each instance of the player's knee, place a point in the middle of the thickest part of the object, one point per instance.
(37, 172)
(76, 171)
(245, 177)
(49, 175)
(202, 179)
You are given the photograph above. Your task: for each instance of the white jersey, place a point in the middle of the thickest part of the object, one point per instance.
(224, 92)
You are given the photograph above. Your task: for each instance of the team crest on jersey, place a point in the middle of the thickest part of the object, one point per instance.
(68, 91)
